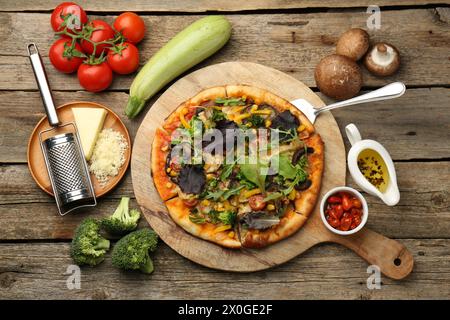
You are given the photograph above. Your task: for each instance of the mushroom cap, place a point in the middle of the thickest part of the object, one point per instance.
(383, 59)
(353, 44)
(338, 77)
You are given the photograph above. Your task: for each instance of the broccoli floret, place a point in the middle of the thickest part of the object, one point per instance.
(88, 246)
(132, 251)
(227, 217)
(123, 220)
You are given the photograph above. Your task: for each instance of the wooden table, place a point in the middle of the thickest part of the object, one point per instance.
(291, 36)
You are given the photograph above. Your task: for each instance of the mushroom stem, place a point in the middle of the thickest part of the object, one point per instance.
(383, 55)
(381, 48)
(382, 60)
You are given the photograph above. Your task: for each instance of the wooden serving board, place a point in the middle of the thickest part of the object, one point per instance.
(393, 259)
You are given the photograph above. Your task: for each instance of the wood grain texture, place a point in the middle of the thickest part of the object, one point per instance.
(292, 43)
(37, 271)
(424, 208)
(371, 246)
(401, 125)
(201, 6)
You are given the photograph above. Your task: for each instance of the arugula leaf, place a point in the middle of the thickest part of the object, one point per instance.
(195, 217)
(226, 171)
(230, 101)
(232, 192)
(255, 172)
(215, 195)
(196, 127)
(225, 193)
(217, 115)
(243, 181)
(300, 176)
(273, 196)
(291, 185)
(285, 167)
(286, 135)
(256, 120)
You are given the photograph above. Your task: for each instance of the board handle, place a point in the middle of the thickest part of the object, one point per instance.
(392, 257)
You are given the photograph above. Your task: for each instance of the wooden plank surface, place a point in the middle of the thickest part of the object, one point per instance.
(411, 127)
(293, 43)
(325, 272)
(292, 40)
(201, 6)
(424, 209)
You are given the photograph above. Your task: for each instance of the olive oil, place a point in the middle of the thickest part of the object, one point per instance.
(374, 169)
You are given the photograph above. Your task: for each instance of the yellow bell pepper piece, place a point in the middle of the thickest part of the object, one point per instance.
(292, 195)
(222, 228)
(249, 193)
(266, 112)
(183, 121)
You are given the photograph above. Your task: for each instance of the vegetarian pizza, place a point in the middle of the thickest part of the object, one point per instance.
(238, 166)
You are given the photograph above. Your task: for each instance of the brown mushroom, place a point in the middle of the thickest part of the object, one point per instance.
(353, 44)
(383, 59)
(338, 77)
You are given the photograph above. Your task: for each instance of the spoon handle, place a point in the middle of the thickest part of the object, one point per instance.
(390, 91)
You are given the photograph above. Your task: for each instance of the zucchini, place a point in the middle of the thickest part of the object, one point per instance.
(192, 45)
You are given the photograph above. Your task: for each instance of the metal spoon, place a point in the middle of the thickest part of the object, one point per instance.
(390, 91)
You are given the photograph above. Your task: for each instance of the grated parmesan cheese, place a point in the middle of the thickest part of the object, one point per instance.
(108, 155)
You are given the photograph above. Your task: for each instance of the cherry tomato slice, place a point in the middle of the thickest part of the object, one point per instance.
(345, 223)
(339, 211)
(335, 223)
(331, 213)
(190, 202)
(334, 199)
(346, 202)
(257, 202)
(356, 203)
(356, 212)
(357, 220)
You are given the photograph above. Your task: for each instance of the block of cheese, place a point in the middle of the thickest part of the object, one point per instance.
(89, 122)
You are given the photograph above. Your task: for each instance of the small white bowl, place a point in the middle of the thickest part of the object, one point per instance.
(356, 194)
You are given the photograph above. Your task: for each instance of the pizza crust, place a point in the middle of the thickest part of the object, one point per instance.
(290, 223)
(208, 94)
(305, 203)
(179, 212)
(159, 156)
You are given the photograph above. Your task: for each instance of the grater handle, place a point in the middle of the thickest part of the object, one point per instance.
(44, 88)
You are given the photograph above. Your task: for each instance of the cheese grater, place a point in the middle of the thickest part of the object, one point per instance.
(62, 151)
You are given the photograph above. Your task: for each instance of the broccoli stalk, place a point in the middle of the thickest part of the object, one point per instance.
(132, 251)
(88, 246)
(123, 220)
